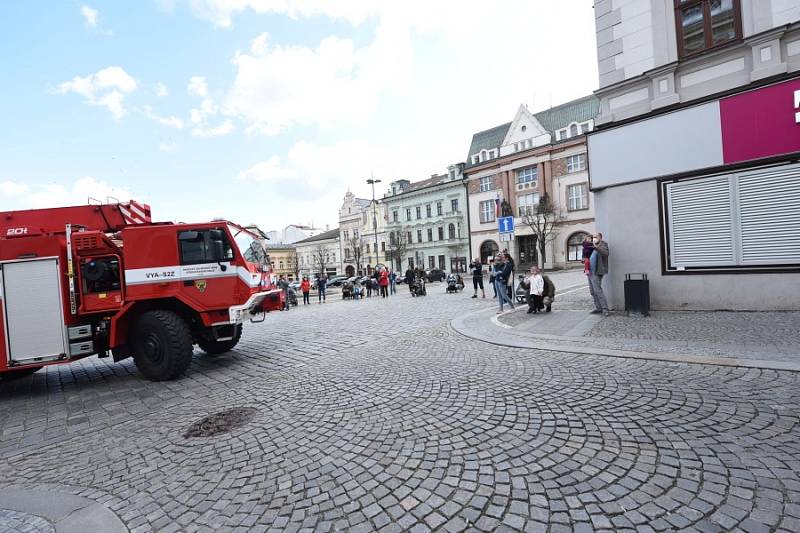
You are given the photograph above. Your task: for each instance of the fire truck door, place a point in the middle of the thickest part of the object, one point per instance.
(31, 295)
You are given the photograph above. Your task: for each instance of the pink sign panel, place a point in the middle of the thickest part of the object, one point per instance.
(761, 123)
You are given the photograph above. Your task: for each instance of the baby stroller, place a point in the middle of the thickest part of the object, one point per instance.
(291, 297)
(347, 290)
(454, 283)
(522, 288)
(418, 287)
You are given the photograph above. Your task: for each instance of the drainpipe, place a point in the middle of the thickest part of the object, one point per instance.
(469, 226)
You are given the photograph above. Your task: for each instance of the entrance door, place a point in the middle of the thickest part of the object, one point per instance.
(528, 255)
(32, 308)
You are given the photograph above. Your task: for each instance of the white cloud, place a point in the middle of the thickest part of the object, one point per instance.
(220, 12)
(37, 196)
(258, 46)
(91, 16)
(12, 188)
(167, 147)
(105, 88)
(170, 121)
(197, 87)
(270, 170)
(161, 90)
(201, 117)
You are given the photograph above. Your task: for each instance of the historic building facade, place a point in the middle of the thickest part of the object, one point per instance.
(511, 167)
(694, 167)
(373, 236)
(284, 259)
(318, 254)
(350, 226)
(426, 223)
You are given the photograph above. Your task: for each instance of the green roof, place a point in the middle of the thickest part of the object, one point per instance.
(555, 118)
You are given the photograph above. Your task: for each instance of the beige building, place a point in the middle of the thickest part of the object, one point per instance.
(283, 258)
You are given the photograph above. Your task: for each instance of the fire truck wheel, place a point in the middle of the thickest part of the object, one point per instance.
(213, 347)
(162, 345)
(16, 374)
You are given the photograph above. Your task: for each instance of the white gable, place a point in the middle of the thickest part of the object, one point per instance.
(525, 132)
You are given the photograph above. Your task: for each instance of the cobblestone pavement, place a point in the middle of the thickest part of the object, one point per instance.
(16, 522)
(376, 415)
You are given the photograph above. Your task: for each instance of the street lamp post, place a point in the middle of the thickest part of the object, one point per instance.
(372, 182)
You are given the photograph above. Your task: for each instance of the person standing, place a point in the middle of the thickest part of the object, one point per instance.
(598, 267)
(392, 282)
(383, 282)
(322, 284)
(305, 287)
(284, 286)
(410, 278)
(549, 293)
(477, 277)
(535, 283)
(510, 281)
(502, 272)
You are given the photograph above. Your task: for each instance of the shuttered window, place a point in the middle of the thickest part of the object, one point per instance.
(769, 212)
(700, 226)
(737, 220)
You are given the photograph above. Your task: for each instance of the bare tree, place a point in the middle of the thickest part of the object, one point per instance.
(296, 263)
(543, 220)
(356, 249)
(319, 258)
(398, 246)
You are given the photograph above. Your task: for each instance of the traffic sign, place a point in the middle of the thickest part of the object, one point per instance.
(505, 224)
(506, 237)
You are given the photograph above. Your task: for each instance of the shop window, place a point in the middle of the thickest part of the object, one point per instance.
(705, 24)
(575, 246)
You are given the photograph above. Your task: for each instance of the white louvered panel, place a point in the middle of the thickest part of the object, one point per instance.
(769, 214)
(700, 222)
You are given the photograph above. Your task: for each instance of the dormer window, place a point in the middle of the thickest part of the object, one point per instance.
(476, 159)
(573, 130)
(524, 127)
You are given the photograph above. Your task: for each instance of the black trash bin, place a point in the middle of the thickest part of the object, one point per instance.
(637, 294)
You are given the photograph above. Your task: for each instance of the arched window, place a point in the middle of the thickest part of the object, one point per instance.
(573, 130)
(575, 246)
(489, 249)
(451, 231)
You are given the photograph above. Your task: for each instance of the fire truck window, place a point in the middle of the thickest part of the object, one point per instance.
(198, 247)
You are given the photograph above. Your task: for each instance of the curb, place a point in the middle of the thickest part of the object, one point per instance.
(66, 512)
(545, 342)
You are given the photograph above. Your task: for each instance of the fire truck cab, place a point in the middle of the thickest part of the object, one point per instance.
(105, 280)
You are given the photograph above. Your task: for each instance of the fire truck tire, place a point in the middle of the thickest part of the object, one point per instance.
(213, 347)
(16, 374)
(162, 345)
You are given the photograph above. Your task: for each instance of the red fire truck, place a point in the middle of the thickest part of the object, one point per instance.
(104, 279)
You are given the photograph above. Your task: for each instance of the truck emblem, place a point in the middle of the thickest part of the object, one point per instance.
(201, 285)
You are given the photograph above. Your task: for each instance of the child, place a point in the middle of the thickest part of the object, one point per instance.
(588, 248)
(536, 283)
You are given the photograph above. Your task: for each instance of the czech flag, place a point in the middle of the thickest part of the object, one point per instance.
(497, 205)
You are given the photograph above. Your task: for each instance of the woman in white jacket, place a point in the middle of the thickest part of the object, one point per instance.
(536, 283)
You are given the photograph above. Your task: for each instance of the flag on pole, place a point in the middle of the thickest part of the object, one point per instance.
(497, 205)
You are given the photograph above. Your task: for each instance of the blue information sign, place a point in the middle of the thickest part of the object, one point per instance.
(505, 224)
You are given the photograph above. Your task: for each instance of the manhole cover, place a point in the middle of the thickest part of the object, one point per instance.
(222, 422)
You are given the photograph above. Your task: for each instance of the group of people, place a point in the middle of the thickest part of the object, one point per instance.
(501, 278)
(383, 281)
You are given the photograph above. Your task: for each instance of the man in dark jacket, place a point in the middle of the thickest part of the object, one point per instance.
(598, 267)
(477, 277)
(549, 293)
(410, 277)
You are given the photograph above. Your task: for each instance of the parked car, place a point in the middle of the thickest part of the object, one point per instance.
(435, 275)
(295, 285)
(401, 278)
(336, 281)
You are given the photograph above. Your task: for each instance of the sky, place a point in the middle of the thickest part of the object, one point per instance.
(267, 111)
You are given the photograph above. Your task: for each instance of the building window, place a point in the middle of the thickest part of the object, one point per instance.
(562, 134)
(431, 262)
(391, 239)
(486, 184)
(476, 159)
(383, 246)
(577, 197)
(487, 211)
(454, 205)
(430, 234)
(441, 233)
(528, 175)
(705, 24)
(281, 267)
(438, 208)
(576, 163)
(346, 235)
(395, 216)
(451, 231)
(573, 130)
(408, 237)
(743, 220)
(419, 212)
(419, 235)
(527, 203)
(428, 212)
(408, 214)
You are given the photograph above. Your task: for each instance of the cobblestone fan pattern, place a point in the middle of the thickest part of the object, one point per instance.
(16, 522)
(375, 415)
